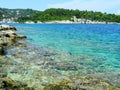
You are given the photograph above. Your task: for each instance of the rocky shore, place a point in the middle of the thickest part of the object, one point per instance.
(44, 69)
(9, 37)
(38, 68)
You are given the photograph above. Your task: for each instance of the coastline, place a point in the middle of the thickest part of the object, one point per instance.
(60, 22)
(22, 67)
(35, 73)
(52, 22)
(8, 38)
(81, 21)
(69, 22)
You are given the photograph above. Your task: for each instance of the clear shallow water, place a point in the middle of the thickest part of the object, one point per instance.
(72, 49)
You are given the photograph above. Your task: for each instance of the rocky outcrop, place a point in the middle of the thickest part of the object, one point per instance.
(8, 84)
(7, 27)
(9, 37)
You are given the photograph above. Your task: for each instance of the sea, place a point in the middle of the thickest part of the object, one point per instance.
(56, 52)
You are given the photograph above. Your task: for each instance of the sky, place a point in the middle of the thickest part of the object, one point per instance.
(109, 6)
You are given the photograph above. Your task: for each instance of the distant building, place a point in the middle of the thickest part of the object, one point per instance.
(7, 20)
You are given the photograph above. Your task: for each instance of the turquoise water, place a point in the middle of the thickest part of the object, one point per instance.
(95, 40)
(75, 39)
(81, 48)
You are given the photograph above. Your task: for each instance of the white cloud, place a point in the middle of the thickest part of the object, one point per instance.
(110, 6)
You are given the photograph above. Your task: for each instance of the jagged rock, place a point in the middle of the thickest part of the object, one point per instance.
(8, 32)
(21, 37)
(7, 27)
(14, 36)
(9, 37)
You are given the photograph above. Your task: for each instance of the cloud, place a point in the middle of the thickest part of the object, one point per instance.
(110, 6)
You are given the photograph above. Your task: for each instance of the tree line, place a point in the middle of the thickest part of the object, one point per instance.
(15, 13)
(66, 14)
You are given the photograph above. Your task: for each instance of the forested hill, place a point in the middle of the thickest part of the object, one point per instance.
(23, 15)
(66, 14)
(15, 13)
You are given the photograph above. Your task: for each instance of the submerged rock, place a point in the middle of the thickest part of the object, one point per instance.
(53, 87)
(83, 83)
(1, 50)
(8, 37)
(9, 84)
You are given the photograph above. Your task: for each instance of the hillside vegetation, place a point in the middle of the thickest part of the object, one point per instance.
(66, 14)
(15, 13)
(23, 15)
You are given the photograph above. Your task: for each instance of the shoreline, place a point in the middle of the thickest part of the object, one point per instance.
(22, 66)
(41, 80)
(8, 37)
(81, 21)
(62, 22)
(69, 23)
